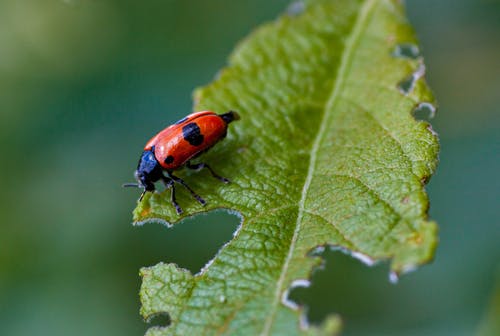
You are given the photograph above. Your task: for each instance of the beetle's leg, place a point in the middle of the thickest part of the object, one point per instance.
(201, 165)
(169, 183)
(142, 195)
(178, 209)
(181, 181)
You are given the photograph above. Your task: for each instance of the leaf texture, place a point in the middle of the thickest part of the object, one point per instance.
(327, 153)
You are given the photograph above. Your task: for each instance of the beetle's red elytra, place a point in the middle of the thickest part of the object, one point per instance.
(174, 147)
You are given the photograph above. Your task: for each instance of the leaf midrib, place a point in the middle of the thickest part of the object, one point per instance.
(358, 27)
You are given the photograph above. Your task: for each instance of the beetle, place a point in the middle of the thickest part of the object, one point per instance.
(175, 146)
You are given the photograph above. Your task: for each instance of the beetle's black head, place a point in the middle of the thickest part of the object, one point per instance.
(229, 116)
(148, 172)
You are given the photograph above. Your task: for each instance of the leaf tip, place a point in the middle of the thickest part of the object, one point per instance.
(418, 249)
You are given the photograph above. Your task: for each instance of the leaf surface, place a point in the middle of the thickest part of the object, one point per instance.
(327, 153)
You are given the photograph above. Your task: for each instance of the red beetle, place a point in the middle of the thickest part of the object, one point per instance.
(175, 146)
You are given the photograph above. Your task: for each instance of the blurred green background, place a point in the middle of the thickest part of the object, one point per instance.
(83, 85)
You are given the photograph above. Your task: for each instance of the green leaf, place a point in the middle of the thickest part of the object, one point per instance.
(327, 153)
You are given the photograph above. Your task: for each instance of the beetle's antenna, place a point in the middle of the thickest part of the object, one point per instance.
(126, 185)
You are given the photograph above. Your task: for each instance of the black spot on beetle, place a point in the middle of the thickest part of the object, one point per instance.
(169, 159)
(192, 134)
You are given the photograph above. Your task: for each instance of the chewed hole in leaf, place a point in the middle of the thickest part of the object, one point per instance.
(424, 111)
(159, 320)
(299, 285)
(285, 299)
(343, 286)
(407, 84)
(406, 50)
(189, 243)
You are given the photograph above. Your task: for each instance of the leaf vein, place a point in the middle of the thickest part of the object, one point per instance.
(351, 42)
